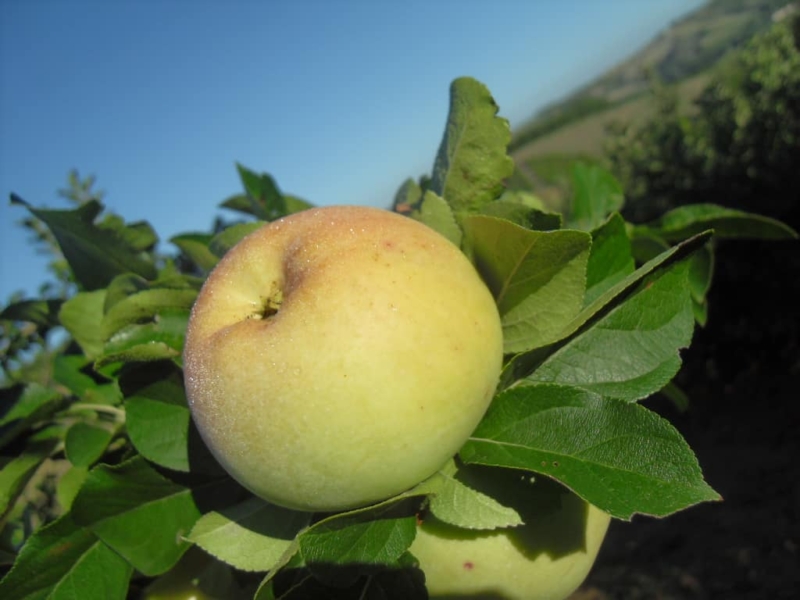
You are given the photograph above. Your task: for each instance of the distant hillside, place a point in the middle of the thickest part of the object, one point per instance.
(687, 47)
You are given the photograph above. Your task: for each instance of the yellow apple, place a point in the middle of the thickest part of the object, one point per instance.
(547, 558)
(339, 356)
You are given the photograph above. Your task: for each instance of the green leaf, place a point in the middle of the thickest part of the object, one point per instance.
(701, 272)
(120, 503)
(472, 162)
(23, 406)
(16, 473)
(123, 286)
(700, 312)
(265, 200)
(72, 371)
(82, 316)
(63, 561)
(620, 457)
(95, 254)
(139, 236)
(644, 245)
(69, 485)
(152, 352)
(379, 535)
(437, 215)
(407, 198)
(252, 536)
(161, 428)
(522, 215)
(631, 351)
(86, 443)
(522, 365)
(240, 203)
(596, 194)
(227, 239)
(537, 277)
(295, 204)
(162, 339)
(685, 221)
(195, 246)
(43, 313)
(611, 258)
(453, 501)
(521, 197)
(144, 306)
(677, 396)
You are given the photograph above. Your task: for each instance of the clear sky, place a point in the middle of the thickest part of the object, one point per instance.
(340, 100)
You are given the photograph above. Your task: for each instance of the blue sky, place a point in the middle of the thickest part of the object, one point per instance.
(339, 100)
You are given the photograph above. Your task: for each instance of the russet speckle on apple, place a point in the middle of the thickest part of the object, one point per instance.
(339, 356)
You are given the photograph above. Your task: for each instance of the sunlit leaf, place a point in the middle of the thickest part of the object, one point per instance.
(472, 162)
(252, 536)
(620, 457)
(537, 277)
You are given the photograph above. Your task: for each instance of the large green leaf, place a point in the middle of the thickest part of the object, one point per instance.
(377, 535)
(631, 351)
(86, 443)
(523, 364)
(139, 513)
(63, 561)
(95, 254)
(537, 277)
(161, 428)
(252, 536)
(685, 221)
(472, 162)
(618, 456)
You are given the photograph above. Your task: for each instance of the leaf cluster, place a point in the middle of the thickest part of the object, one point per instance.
(595, 313)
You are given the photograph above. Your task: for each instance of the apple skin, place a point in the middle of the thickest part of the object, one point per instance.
(547, 558)
(339, 356)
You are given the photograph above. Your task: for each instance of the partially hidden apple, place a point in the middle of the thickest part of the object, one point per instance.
(546, 558)
(339, 356)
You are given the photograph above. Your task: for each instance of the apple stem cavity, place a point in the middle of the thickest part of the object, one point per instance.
(271, 305)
